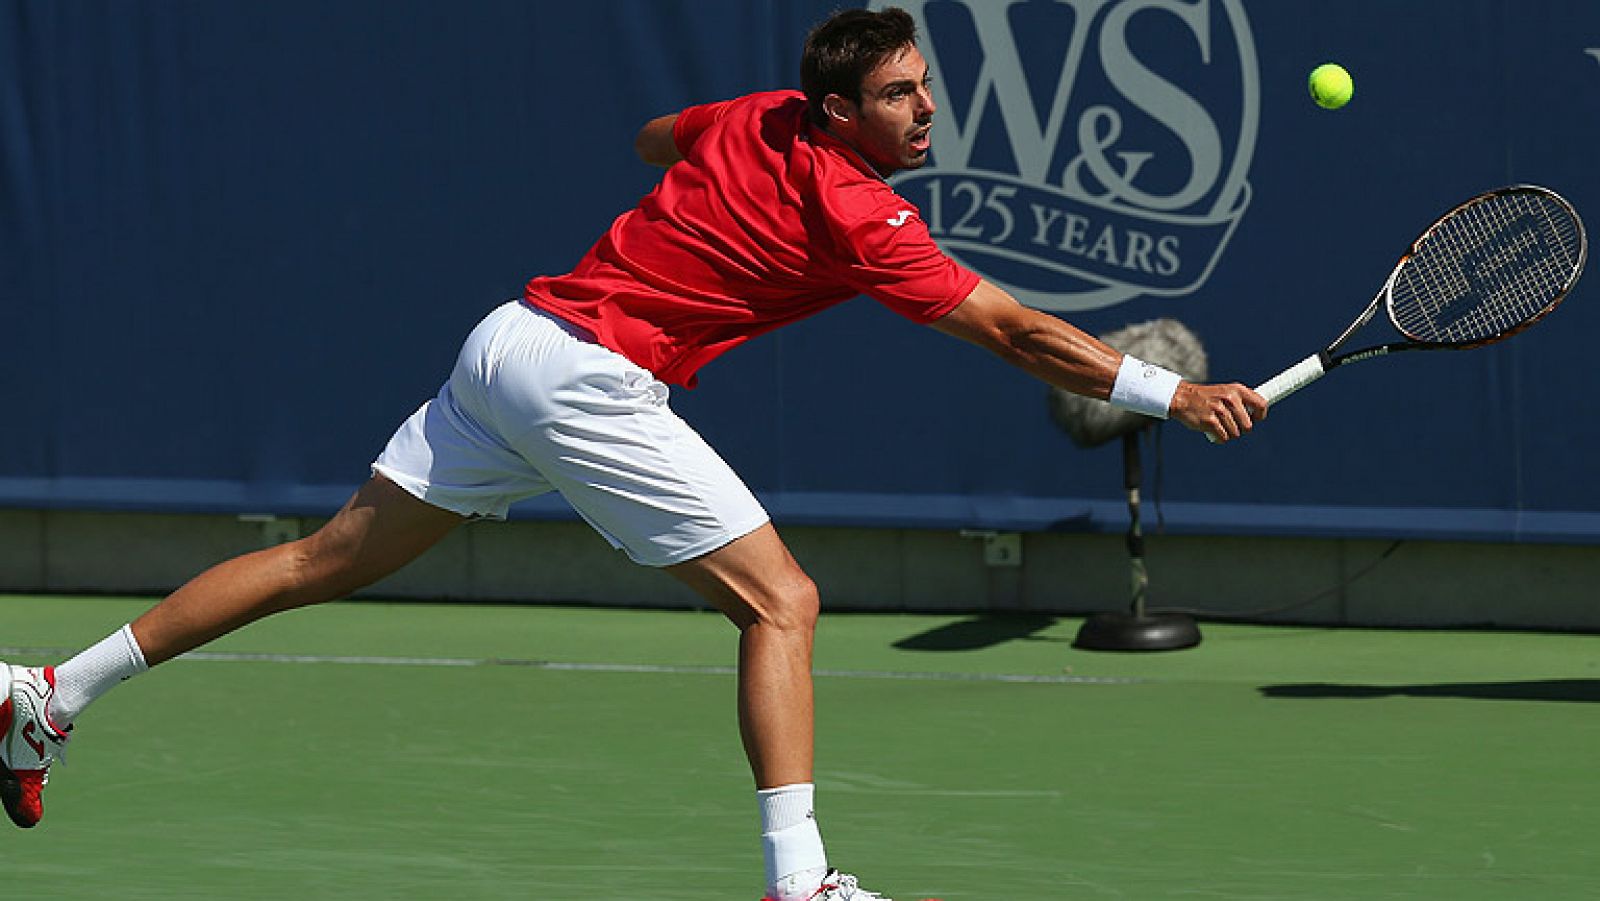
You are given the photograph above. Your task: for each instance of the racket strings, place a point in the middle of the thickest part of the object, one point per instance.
(1487, 269)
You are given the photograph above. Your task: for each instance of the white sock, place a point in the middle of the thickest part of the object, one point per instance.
(790, 842)
(93, 672)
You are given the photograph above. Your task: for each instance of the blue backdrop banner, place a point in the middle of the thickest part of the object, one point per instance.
(241, 242)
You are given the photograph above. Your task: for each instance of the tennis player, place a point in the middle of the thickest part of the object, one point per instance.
(773, 207)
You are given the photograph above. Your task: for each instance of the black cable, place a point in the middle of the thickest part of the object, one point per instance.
(1225, 616)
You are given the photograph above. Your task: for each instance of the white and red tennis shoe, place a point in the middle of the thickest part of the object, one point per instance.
(29, 741)
(837, 886)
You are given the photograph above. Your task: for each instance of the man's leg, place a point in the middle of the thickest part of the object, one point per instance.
(757, 584)
(379, 530)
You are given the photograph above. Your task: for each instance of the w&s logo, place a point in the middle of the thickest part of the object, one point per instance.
(1086, 152)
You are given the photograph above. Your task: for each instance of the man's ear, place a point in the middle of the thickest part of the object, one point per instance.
(837, 109)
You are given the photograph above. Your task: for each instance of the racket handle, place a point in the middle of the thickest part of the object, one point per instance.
(1289, 381)
(1292, 379)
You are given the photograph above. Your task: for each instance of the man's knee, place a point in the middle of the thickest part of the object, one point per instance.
(322, 567)
(791, 605)
(380, 530)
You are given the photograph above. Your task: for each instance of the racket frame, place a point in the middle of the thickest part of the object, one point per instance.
(1319, 364)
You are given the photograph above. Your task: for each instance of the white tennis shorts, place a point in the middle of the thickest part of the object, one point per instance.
(534, 405)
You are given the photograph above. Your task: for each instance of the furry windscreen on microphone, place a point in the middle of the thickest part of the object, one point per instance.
(1165, 342)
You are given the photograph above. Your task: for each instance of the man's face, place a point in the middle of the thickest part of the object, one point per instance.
(889, 127)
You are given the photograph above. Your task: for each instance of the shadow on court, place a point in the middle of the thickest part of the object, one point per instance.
(1569, 690)
(981, 632)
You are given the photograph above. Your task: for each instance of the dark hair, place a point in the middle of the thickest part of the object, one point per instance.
(840, 52)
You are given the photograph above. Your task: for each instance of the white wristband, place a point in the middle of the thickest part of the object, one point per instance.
(1144, 387)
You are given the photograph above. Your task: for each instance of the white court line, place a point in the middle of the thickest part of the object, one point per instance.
(557, 666)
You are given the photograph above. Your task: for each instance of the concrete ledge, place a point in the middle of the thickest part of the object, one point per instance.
(1360, 582)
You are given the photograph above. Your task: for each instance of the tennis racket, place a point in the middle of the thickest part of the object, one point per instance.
(1484, 271)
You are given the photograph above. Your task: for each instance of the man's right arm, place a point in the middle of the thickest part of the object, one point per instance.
(655, 143)
(1063, 355)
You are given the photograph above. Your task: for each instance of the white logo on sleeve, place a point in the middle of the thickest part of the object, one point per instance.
(900, 218)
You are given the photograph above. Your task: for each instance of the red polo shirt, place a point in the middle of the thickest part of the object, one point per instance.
(765, 221)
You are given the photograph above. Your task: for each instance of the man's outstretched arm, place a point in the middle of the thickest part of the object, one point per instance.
(1063, 355)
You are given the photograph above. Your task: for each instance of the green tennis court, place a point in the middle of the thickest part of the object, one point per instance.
(368, 750)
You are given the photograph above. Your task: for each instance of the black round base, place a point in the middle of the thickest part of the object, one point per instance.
(1126, 632)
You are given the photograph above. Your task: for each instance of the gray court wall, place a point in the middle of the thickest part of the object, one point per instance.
(1360, 582)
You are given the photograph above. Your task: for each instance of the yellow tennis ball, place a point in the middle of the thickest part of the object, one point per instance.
(1331, 86)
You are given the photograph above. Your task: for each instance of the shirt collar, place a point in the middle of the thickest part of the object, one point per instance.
(822, 137)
